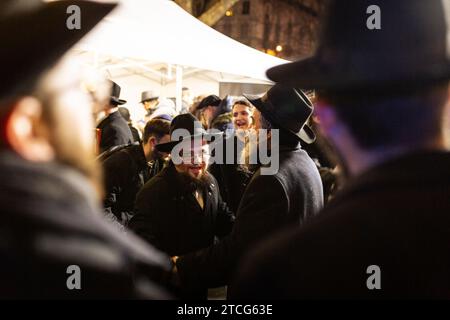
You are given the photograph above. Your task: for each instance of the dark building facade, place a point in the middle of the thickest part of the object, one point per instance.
(291, 26)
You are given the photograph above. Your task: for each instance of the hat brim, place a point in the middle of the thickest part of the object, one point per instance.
(256, 101)
(45, 31)
(293, 74)
(311, 73)
(149, 99)
(117, 102)
(306, 134)
(168, 146)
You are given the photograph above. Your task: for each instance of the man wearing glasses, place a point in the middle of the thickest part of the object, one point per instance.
(180, 210)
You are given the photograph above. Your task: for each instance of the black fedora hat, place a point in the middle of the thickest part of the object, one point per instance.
(115, 94)
(34, 36)
(148, 96)
(187, 122)
(410, 49)
(286, 108)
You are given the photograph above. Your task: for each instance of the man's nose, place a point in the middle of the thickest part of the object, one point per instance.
(197, 158)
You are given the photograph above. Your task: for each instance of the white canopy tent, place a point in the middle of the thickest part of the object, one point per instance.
(159, 42)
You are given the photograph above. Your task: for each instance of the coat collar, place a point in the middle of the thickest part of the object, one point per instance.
(112, 116)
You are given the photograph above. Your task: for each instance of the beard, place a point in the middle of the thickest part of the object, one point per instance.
(150, 112)
(200, 183)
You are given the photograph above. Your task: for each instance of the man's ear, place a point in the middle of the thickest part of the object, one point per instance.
(152, 142)
(26, 133)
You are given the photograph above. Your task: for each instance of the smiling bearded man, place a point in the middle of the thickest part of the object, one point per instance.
(180, 210)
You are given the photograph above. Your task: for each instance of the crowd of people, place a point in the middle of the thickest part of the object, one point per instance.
(293, 193)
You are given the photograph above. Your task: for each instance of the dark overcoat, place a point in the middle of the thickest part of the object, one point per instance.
(270, 202)
(114, 131)
(386, 235)
(52, 229)
(125, 173)
(169, 217)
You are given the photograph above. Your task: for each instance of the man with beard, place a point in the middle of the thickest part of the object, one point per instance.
(54, 243)
(382, 102)
(180, 210)
(150, 102)
(273, 200)
(128, 169)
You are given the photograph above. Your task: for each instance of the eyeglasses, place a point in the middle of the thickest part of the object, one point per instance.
(195, 156)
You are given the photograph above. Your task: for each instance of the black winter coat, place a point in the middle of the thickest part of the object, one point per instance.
(169, 217)
(270, 203)
(114, 131)
(50, 221)
(395, 216)
(135, 134)
(125, 173)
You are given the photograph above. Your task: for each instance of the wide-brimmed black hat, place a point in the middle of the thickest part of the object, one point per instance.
(115, 94)
(286, 108)
(409, 49)
(148, 96)
(187, 122)
(34, 36)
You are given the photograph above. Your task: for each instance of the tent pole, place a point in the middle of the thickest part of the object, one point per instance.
(179, 87)
(169, 71)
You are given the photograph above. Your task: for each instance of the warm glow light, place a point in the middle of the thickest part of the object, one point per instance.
(279, 48)
(271, 52)
(229, 13)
